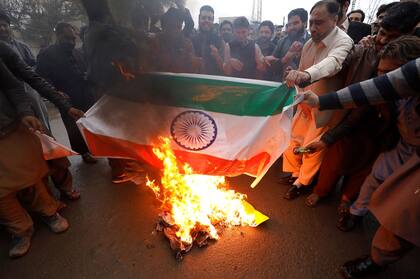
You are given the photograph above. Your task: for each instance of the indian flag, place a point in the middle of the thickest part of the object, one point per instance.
(218, 125)
(53, 149)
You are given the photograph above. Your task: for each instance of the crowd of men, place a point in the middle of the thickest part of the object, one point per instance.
(320, 52)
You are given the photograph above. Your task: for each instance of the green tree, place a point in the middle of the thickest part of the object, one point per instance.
(36, 19)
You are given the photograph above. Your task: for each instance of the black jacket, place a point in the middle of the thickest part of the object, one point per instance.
(65, 68)
(14, 102)
(25, 73)
(358, 30)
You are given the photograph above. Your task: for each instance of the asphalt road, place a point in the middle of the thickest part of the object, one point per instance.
(112, 236)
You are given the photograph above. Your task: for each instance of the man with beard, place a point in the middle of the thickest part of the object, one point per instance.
(265, 33)
(322, 59)
(358, 125)
(208, 45)
(288, 50)
(64, 67)
(226, 31)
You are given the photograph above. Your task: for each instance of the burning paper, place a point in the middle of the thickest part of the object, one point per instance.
(195, 206)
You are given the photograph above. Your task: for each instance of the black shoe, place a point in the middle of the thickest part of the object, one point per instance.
(360, 268)
(347, 221)
(88, 158)
(292, 193)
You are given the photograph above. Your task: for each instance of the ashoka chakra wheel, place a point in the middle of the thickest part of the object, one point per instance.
(194, 130)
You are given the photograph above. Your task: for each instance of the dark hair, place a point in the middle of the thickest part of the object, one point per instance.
(173, 16)
(405, 49)
(359, 12)
(4, 16)
(385, 7)
(241, 22)
(333, 7)
(342, 2)
(402, 17)
(206, 8)
(61, 26)
(224, 22)
(267, 23)
(301, 13)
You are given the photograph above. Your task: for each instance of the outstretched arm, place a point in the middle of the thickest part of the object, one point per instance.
(401, 83)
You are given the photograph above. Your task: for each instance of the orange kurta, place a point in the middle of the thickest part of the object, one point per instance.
(323, 61)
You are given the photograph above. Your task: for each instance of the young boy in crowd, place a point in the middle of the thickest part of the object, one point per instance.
(243, 57)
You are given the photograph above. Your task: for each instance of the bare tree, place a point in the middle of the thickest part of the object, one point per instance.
(35, 19)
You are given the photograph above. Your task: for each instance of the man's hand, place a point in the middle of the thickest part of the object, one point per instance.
(368, 41)
(316, 146)
(297, 78)
(293, 52)
(214, 52)
(33, 123)
(311, 99)
(236, 64)
(296, 47)
(269, 60)
(75, 113)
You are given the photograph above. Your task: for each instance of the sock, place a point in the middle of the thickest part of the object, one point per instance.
(298, 184)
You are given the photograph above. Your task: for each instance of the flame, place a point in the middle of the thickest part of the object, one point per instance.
(199, 202)
(124, 71)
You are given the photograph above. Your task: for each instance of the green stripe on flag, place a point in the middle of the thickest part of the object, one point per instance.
(222, 95)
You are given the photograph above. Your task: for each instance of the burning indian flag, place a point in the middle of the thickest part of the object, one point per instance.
(218, 126)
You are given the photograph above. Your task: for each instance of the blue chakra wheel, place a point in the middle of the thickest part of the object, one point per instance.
(194, 130)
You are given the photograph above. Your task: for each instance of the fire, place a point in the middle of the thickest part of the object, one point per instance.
(193, 204)
(123, 70)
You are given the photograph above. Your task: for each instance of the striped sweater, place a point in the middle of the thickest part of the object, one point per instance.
(401, 83)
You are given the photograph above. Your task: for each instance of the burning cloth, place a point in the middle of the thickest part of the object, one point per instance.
(219, 126)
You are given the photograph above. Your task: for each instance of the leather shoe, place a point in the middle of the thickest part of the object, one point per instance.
(347, 221)
(292, 193)
(360, 268)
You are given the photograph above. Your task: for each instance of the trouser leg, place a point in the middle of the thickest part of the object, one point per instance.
(360, 206)
(330, 171)
(388, 248)
(14, 217)
(353, 183)
(39, 200)
(76, 139)
(60, 174)
(292, 162)
(310, 167)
